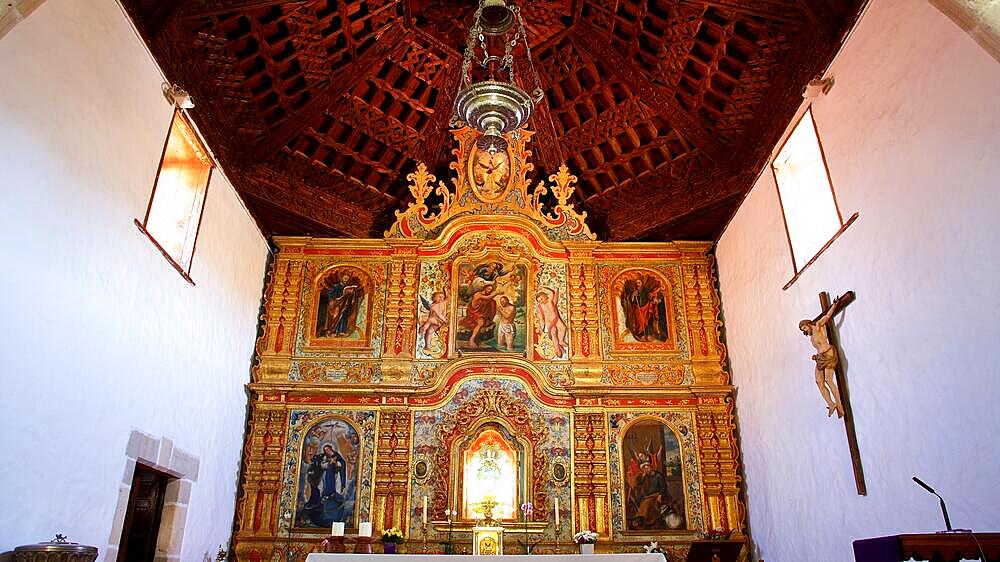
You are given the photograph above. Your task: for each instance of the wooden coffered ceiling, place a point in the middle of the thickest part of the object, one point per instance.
(665, 109)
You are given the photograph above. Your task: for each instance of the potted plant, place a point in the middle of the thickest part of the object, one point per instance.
(586, 539)
(390, 539)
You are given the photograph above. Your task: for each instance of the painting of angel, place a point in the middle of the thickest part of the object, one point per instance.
(491, 307)
(550, 323)
(654, 487)
(434, 315)
(328, 474)
(342, 308)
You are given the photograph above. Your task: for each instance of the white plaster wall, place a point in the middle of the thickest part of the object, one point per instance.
(100, 335)
(911, 132)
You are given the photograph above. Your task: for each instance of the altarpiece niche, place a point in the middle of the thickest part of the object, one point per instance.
(489, 348)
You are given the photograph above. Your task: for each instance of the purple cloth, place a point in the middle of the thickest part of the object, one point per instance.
(878, 549)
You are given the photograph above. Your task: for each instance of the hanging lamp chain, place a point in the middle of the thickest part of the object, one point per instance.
(537, 93)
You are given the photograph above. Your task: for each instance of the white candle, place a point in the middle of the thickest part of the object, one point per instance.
(424, 520)
(365, 529)
(338, 529)
(557, 511)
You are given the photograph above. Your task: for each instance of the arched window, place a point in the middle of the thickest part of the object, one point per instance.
(490, 473)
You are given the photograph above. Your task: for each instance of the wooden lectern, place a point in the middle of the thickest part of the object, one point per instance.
(938, 547)
(715, 551)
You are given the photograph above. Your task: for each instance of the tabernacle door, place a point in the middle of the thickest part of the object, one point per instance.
(487, 541)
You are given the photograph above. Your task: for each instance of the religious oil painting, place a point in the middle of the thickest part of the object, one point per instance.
(643, 311)
(548, 303)
(654, 485)
(342, 297)
(433, 314)
(491, 315)
(328, 475)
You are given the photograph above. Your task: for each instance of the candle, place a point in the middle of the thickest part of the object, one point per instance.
(424, 520)
(338, 529)
(557, 511)
(365, 529)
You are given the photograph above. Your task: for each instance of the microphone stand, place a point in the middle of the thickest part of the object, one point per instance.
(944, 509)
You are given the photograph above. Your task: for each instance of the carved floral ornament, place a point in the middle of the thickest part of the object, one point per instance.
(490, 184)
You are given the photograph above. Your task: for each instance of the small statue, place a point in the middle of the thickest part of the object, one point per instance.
(486, 509)
(825, 358)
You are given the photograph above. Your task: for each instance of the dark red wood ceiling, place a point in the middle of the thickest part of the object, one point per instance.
(665, 109)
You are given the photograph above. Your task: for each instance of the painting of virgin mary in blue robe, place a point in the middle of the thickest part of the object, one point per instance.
(328, 475)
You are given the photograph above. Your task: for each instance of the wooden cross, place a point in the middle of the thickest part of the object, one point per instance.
(852, 438)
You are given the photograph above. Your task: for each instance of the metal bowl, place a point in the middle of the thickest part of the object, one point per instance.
(495, 108)
(56, 550)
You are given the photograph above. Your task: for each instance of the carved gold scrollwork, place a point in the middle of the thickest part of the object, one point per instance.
(493, 184)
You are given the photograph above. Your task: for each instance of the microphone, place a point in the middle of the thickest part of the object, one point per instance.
(944, 509)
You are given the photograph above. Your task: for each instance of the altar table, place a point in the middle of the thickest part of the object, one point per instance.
(323, 557)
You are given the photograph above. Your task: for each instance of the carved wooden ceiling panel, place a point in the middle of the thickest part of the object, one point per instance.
(665, 109)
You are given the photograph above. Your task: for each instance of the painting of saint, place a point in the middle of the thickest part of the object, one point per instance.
(643, 305)
(342, 308)
(328, 475)
(491, 307)
(654, 486)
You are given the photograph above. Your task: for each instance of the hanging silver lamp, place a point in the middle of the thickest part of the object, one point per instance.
(495, 106)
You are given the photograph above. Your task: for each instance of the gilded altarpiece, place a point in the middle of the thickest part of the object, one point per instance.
(489, 326)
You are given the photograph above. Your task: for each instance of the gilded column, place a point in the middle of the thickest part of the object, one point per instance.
(400, 313)
(281, 310)
(392, 470)
(719, 458)
(258, 506)
(590, 473)
(702, 311)
(583, 313)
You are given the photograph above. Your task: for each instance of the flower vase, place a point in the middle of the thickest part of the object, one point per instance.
(389, 548)
(587, 548)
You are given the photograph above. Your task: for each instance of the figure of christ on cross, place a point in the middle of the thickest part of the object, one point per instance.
(830, 377)
(825, 357)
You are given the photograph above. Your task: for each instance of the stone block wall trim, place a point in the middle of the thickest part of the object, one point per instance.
(163, 455)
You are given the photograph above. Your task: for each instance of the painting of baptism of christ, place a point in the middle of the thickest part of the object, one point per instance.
(654, 485)
(642, 308)
(328, 475)
(491, 314)
(342, 298)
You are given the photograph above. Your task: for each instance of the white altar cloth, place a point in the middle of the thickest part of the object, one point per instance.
(336, 557)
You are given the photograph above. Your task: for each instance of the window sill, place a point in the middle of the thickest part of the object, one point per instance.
(169, 259)
(836, 235)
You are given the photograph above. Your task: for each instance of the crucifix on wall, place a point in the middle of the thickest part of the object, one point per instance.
(830, 373)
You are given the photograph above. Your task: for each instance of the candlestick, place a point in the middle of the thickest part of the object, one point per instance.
(424, 520)
(558, 536)
(557, 511)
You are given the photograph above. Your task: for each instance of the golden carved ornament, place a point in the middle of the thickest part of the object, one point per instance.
(490, 184)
